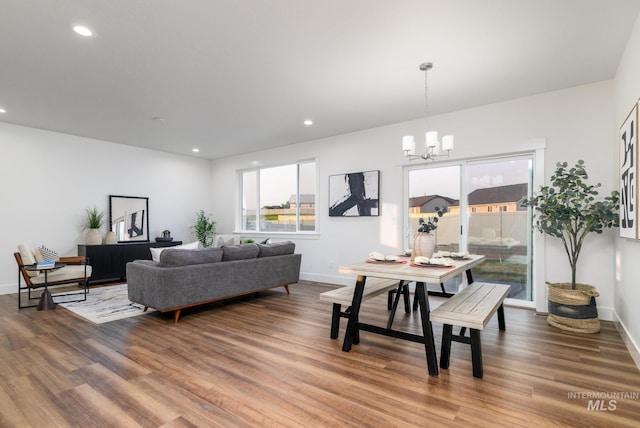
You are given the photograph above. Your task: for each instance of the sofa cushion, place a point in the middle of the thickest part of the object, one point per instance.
(28, 254)
(172, 257)
(276, 249)
(240, 252)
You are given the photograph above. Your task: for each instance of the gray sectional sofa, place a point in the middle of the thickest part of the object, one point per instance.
(184, 278)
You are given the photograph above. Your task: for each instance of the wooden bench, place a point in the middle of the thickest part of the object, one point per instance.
(373, 287)
(471, 308)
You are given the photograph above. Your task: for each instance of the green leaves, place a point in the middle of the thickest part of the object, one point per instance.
(204, 229)
(94, 218)
(568, 209)
(431, 223)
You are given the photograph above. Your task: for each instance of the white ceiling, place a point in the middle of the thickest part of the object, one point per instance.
(234, 76)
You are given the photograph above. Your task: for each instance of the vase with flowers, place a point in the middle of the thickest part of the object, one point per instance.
(424, 240)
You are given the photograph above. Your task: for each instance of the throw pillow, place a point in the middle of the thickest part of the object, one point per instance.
(222, 241)
(266, 241)
(155, 252)
(48, 254)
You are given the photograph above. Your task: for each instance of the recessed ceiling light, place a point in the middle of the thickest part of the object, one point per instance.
(308, 122)
(195, 150)
(2, 110)
(83, 31)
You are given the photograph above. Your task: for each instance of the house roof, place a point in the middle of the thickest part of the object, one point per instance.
(304, 198)
(419, 201)
(498, 194)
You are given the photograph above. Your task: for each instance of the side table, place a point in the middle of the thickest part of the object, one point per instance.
(46, 302)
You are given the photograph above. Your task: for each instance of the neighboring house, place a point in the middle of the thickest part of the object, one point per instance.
(306, 201)
(428, 204)
(500, 198)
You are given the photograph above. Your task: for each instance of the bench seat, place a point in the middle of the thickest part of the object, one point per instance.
(471, 308)
(373, 287)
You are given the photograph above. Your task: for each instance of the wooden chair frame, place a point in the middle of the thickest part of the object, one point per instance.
(83, 281)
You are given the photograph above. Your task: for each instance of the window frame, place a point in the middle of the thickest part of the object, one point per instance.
(256, 170)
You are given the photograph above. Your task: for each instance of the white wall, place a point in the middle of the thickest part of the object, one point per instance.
(47, 179)
(576, 123)
(627, 288)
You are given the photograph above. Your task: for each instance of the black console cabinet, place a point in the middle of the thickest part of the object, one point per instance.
(109, 261)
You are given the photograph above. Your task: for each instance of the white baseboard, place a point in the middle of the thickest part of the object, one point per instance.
(632, 346)
(8, 289)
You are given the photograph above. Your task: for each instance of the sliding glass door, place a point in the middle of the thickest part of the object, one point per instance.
(499, 225)
(488, 219)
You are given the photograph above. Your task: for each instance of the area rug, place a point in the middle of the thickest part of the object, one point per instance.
(104, 304)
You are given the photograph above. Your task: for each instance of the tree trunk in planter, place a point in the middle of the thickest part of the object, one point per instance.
(573, 310)
(424, 244)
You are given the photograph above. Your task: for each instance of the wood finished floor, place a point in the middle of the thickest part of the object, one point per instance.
(269, 361)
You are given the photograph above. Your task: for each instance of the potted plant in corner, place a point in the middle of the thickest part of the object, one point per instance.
(568, 209)
(424, 241)
(204, 229)
(93, 224)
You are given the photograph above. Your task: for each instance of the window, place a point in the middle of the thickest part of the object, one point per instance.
(279, 199)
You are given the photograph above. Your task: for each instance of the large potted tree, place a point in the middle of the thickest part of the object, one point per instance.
(568, 209)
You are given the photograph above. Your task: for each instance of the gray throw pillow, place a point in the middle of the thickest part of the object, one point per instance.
(172, 257)
(276, 249)
(240, 252)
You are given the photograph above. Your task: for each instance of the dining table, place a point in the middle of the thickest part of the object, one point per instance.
(403, 269)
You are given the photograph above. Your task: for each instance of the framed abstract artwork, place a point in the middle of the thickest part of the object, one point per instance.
(129, 218)
(628, 141)
(354, 194)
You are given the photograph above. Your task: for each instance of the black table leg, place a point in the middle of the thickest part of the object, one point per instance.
(351, 333)
(427, 329)
(46, 301)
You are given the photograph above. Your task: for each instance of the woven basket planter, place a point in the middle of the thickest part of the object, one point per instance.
(573, 310)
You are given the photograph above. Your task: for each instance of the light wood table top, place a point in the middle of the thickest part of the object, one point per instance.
(407, 272)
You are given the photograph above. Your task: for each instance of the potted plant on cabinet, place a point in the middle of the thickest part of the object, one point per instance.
(93, 224)
(204, 229)
(424, 241)
(567, 209)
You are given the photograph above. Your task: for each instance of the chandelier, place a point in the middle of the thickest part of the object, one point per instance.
(432, 146)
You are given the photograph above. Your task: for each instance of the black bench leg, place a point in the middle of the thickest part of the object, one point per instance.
(407, 298)
(501, 323)
(335, 320)
(476, 353)
(445, 349)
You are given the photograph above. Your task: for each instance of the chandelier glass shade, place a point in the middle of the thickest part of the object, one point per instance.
(432, 146)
